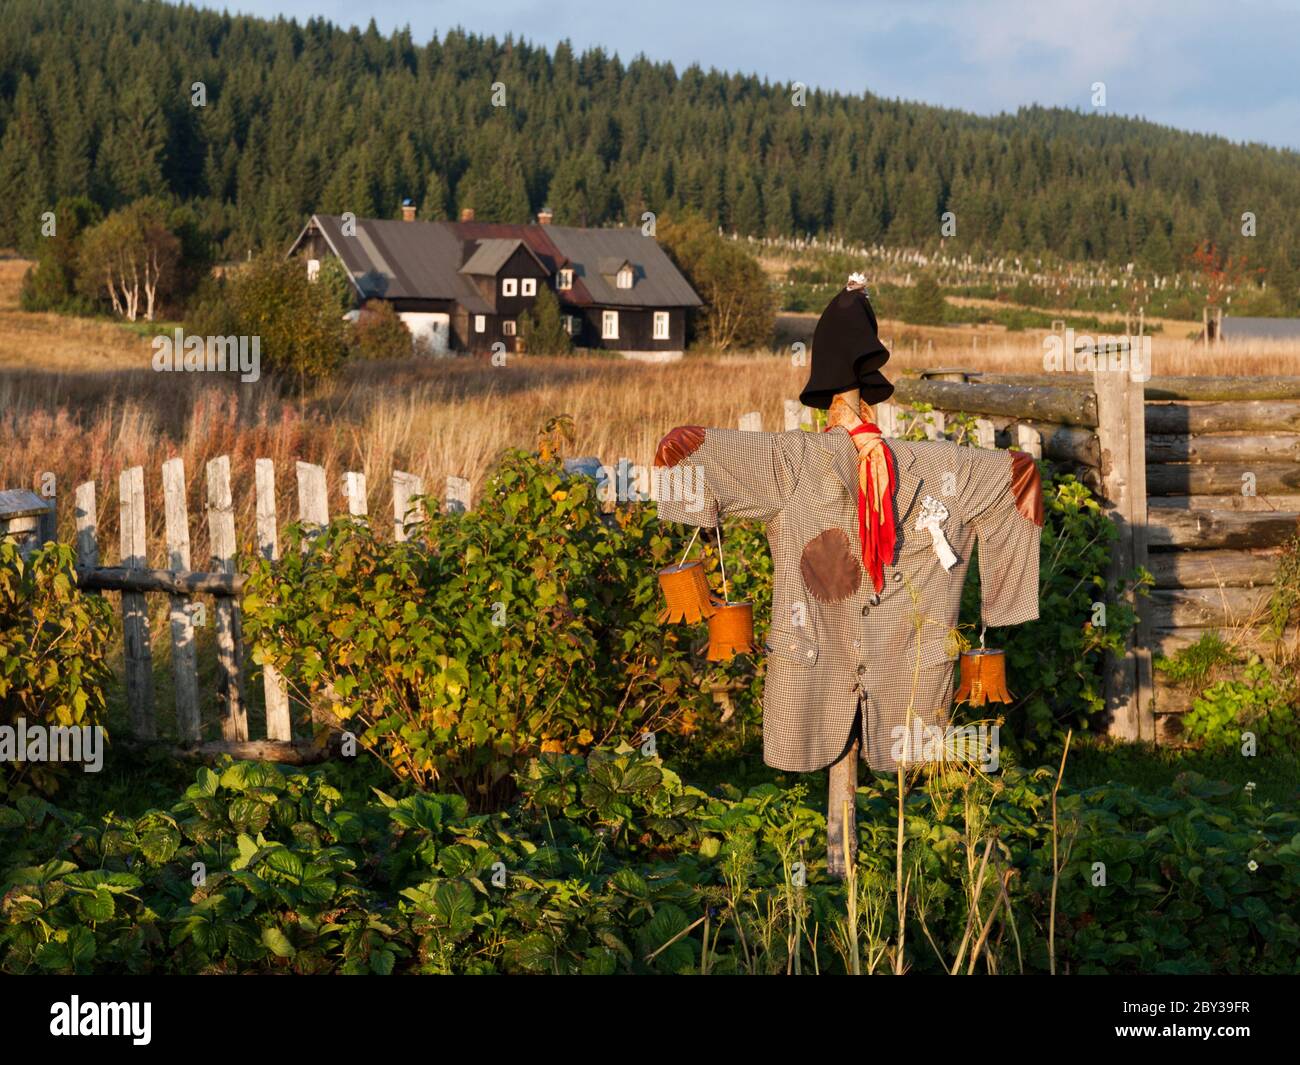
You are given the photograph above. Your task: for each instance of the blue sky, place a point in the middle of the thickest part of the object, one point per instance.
(1232, 69)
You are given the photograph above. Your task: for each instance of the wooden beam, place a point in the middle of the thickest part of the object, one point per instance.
(1170, 527)
(1205, 447)
(1223, 388)
(1224, 478)
(1066, 406)
(1212, 569)
(138, 581)
(1240, 415)
(1176, 608)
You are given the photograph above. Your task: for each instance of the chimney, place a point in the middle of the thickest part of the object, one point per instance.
(408, 210)
(467, 214)
(544, 216)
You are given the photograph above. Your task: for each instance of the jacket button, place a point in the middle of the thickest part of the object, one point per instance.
(866, 609)
(898, 577)
(861, 670)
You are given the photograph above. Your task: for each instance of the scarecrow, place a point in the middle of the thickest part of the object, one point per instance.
(870, 540)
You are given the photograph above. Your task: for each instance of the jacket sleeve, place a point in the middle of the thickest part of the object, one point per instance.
(1001, 495)
(704, 475)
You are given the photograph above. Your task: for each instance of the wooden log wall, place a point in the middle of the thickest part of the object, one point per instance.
(1223, 473)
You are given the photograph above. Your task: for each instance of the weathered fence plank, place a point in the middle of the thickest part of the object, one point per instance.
(229, 620)
(135, 615)
(87, 521)
(1029, 440)
(752, 422)
(457, 498)
(185, 674)
(354, 491)
(985, 435)
(313, 497)
(406, 486)
(888, 420)
(124, 579)
(279, 723)
(794, 415)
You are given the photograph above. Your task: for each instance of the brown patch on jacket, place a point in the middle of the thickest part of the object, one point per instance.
(1027, 487)
(678, 444)
(831, 571)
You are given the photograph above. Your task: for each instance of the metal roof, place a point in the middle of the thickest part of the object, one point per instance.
(395, 259)
(491, 255)
(1261, 328)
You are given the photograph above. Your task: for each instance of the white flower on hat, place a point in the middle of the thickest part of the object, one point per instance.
(857, 281)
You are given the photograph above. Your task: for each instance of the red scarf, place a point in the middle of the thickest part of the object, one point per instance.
(875, 503)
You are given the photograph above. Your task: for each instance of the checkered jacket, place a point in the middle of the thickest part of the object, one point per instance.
(840, 656)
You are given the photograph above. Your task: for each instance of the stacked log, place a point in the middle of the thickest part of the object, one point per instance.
(1223, 477)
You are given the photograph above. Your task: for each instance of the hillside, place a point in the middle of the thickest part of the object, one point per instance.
(97, 98)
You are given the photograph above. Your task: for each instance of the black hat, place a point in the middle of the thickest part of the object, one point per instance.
(846, 352)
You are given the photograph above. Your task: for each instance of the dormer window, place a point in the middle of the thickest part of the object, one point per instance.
(564, 280)
(624, 277)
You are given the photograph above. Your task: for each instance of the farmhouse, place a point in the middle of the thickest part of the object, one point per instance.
(464, 285)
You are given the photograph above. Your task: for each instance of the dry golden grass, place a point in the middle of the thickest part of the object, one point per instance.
(60, 342)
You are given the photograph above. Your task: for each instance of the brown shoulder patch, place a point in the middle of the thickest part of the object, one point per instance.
(830, 569)
(678, 444)
(1027, 487)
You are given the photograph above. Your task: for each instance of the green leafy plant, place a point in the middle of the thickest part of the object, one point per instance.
(53, 646)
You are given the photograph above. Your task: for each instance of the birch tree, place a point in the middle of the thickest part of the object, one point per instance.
(132, 259)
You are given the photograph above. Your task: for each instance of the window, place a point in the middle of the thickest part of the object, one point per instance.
(508, 327)
(528, 286)
(508, 286)
(661, 325)
(313, 269)
(480, 323)
(624, 278)
(609, 325)
(572, 324)
(564, 280)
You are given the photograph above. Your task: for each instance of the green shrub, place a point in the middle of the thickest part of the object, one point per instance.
(1263, 702)
(542, 327)
(526, 625)
(53, 646)
(379, 333)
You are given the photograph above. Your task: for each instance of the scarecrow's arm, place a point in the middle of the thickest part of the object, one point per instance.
(1000, 493)
(704, 475)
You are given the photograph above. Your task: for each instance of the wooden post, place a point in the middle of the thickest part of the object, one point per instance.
(135, 616)
(185, 674)
(354, 490)
(984, 434)
(752, 422)
(49, 521)
(406, 486)
(1141, 638)
(457, 498)
(87, 528)
(1129, 718)
(1029, 440)
(279, 723)
(936, 424)
(229, 623)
